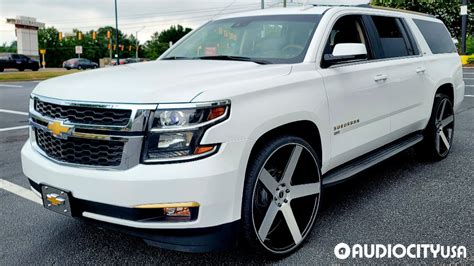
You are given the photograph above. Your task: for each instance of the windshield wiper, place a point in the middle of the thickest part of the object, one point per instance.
(177, 58)
(234, 58)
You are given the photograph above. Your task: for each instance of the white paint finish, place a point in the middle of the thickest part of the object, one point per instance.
(157, 81)
(13, 112)
(20, 191)
(13, 128)
(469, 96)
(263, 97)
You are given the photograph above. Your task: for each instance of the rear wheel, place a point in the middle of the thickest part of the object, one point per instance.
(79, 67)
(281, 196)
(439, 133)
(21, 69)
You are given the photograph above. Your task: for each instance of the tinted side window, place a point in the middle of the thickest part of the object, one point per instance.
(392, 37)
(437, 36)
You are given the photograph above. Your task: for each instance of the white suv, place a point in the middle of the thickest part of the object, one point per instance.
(241, 124)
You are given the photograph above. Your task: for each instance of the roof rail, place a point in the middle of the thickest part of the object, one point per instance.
(402, 10)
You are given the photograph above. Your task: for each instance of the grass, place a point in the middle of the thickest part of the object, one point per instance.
(33, 75)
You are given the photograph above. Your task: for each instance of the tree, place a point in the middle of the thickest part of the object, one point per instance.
(159, 42)
(446, 10)
(58, 51)
(4, 48)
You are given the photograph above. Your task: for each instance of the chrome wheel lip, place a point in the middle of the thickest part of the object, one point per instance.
(444, 131)
(310, 224)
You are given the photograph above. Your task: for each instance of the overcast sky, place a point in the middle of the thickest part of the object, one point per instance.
(155, 15)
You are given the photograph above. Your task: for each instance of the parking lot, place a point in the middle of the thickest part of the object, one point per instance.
(404, 200)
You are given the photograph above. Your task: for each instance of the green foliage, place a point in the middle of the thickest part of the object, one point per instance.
(470, 60)
(4, 48)
(470, 45)
(59, 51)
(159, 42)
(446, 10)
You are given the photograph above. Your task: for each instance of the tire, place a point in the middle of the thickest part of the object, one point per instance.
(439, 133)
(68, 68)
(21, 69)
(268, 216)
(35, 69)
(79, 67)
(1, 69)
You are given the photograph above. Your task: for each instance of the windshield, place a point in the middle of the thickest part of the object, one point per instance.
(280, 39)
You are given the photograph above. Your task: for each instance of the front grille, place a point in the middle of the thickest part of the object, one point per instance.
(84, 115)
(80, 151)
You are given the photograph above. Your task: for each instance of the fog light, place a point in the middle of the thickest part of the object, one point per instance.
(177, 212)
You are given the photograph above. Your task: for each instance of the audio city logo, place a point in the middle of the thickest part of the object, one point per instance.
(416, 251)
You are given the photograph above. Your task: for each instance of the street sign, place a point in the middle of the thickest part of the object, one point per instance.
(463, 10)
(42, 51)
(78, 49)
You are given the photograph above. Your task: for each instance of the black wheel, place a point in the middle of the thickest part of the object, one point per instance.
(79, 67)
(1, 69)
(439, 134)
(68, 68)
(35, 69)
(281, 196)
(21, 69)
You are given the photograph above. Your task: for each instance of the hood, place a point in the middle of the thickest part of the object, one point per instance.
(155, 82)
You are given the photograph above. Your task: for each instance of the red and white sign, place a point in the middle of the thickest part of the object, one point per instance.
(78, 49)
(210, 51)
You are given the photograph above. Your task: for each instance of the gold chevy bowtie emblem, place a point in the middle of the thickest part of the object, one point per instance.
(54, 199)
(58, 129)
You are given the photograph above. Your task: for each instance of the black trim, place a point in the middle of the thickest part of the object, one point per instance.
(205, 239)
(196, 240)
(78, 206)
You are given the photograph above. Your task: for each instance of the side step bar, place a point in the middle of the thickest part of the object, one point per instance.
(370, 159)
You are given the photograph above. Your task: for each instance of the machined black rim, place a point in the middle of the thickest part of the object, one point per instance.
(286, 198)
(444, 123)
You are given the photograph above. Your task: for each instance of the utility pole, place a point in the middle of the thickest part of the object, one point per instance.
(263, 4)
(116, 35)
(136, 36)
(464, 25)
(284, 3)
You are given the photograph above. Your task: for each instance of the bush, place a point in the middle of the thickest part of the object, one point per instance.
(470, 60)
(470, 45)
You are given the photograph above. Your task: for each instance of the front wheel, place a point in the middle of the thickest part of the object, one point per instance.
(281, 196)
(439, 134)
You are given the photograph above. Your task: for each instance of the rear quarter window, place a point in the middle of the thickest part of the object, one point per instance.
(437, 36)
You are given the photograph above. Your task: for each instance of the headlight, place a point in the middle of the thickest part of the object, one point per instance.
(175, 131)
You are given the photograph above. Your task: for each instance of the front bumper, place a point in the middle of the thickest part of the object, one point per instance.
(215, 183)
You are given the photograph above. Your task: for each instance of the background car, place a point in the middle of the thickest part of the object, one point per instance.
(79, 63)
(17, 61)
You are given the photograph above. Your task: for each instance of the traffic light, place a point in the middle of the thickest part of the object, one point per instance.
(121, 47)
(79, 35)
(60, 36)
(129, 48)
(109, 46)
(115, 47)
(94, 35)
(108, 34)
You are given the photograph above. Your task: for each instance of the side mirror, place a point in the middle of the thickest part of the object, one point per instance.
(346, 52)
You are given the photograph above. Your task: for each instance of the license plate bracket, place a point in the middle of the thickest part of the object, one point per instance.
(56, 200)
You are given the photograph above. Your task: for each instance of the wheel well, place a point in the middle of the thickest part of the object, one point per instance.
(448, 90)
(306, 130)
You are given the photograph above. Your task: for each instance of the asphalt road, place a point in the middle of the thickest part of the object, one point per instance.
(403, 200)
